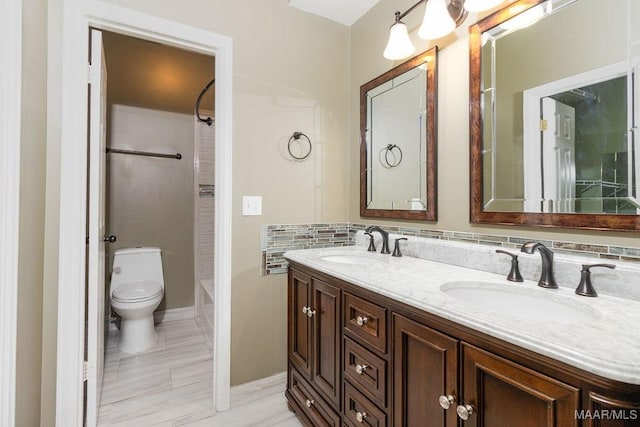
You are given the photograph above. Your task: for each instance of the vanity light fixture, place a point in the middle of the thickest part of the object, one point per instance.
(441, 17)
(399, 45)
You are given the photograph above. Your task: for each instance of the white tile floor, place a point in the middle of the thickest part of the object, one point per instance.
(171, 385)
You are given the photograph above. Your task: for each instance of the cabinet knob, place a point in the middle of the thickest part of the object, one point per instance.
(305, 309)
(446, 401)
(361, 320)
(361, 368)
(464, 411)
(360, 416)
(310, 402)
(310, 312)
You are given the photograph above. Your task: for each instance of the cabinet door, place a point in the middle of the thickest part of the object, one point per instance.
(313, 409)
(504, 394)
(326, 339)
(299, 321)
(425, 366)
(605, 411)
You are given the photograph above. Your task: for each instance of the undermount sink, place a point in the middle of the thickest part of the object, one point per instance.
(350, 259)
(521, 302)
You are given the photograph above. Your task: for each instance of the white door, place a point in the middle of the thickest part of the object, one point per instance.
(559, 158)
(96, 249)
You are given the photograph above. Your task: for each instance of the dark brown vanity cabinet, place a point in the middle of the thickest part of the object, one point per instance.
(357, 358)
(425, 370)
(314, 348)
(498, 392)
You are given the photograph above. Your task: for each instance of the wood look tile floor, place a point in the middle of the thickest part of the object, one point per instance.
(171, 385)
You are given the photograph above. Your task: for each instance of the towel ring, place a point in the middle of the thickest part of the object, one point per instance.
(395, 161)
(296, 136)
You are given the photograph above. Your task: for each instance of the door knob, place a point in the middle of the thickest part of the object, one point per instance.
(446, 401)
(464, 411)
(361, 368)
(361, 320)
(110, 239)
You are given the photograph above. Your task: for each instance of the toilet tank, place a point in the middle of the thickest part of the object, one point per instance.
(135, 265)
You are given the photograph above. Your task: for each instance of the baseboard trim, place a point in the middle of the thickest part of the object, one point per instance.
(181, 313)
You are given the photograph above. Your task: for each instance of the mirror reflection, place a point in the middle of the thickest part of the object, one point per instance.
(398, 141)
(559, 109)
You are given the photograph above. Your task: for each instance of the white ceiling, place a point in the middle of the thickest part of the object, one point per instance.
(345, 12)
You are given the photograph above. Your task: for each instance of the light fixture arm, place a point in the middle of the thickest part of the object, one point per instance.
(399, 15)
(456, 10)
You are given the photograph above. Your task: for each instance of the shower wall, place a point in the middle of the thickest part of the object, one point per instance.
(204, 221)
(151, 199)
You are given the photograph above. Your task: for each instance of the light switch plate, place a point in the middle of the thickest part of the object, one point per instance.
(251, 205)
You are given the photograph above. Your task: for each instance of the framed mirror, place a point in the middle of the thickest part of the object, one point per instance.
(553, 115)
(398, 141)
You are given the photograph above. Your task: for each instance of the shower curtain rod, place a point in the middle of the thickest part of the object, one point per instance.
(177, 156)
(207, 120)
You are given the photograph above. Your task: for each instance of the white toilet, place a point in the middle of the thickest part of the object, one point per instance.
(137, 287)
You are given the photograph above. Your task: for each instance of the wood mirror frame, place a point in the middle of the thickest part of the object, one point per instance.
(430, 213)
(477, 213)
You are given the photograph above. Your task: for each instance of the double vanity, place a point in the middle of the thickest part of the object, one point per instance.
(381, 340)
(439, 336)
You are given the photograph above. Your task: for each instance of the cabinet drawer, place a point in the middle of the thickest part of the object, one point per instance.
(366, 321)
(317, 412)
(360, 411)
(366, 371)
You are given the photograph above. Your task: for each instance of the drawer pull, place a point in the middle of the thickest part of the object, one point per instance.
(309, 403)
(361, 368)
(446, 401)
(464, 411)
(360, 416)
(361, 321)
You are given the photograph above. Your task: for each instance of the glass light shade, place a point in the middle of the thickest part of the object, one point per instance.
(437, 22)
(399, 45)
(480, 5)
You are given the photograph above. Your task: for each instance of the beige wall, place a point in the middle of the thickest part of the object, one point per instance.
(53, 33)
(368, 39)
(32, 193)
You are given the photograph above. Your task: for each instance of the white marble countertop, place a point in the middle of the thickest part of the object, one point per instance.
(607, 343)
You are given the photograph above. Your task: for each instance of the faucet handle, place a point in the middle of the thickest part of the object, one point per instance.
(585, 287)
(396, 249)
(372, 246)
(514, 274)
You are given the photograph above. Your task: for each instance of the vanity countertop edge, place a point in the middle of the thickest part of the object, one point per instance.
(608, 347)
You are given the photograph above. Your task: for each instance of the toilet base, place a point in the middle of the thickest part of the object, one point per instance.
(137, 335)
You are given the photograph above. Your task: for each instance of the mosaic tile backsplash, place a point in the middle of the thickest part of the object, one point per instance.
(277, 239)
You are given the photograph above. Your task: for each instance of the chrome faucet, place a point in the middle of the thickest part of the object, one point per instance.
(547, 279)
(385, 238)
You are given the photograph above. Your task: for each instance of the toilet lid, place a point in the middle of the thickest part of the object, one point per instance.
(137, 291)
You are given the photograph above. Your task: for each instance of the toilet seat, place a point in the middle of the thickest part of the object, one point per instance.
(137, 291)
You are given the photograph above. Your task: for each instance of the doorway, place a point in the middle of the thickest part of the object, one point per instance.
(579, 143)
(152, 158)
(78, 18)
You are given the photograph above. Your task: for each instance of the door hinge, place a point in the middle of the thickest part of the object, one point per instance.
(89, 73)
(85, 370)
(543, 124)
